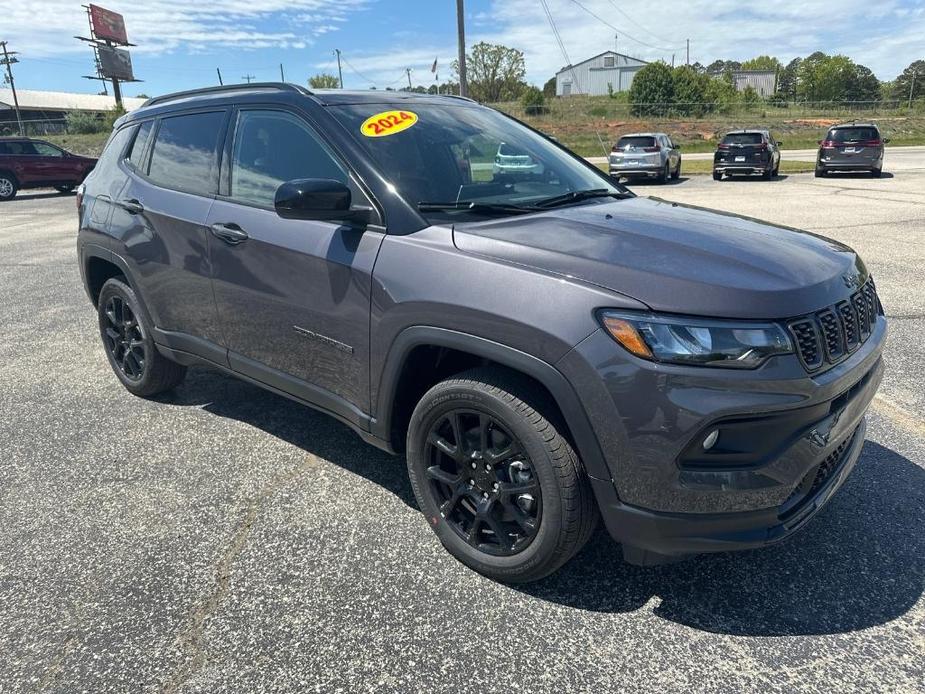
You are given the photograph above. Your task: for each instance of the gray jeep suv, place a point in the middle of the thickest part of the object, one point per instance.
(545, 348)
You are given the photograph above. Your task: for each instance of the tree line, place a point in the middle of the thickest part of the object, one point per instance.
(497, 73)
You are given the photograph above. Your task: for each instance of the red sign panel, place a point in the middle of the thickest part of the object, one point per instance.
(108, 25)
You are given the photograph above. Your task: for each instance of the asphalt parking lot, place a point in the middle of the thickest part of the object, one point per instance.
(223, 539)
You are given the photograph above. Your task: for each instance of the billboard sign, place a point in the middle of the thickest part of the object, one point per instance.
(115, 63)
(107, 25)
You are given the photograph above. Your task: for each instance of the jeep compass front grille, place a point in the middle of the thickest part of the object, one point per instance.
(829, 335)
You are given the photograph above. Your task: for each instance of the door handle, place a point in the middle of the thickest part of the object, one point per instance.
(131, 206)
(229, 233)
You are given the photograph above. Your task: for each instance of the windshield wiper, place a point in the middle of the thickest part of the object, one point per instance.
(579, 195)
(476, 207)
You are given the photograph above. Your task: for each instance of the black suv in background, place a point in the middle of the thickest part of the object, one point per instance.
(747, 152)
(545, 348)
(851, 147)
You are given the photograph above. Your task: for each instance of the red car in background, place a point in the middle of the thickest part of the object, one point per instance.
(28, 163)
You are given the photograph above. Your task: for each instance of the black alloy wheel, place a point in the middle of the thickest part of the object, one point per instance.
(124, 338)
(483, 482)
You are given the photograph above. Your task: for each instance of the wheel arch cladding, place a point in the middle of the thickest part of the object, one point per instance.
(421, 356)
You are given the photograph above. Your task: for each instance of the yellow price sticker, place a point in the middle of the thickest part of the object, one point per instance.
(388, 123)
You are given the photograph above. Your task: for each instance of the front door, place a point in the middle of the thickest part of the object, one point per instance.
(293, 296)
(54, 165)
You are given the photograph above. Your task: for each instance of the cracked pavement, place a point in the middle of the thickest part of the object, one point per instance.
(224, 539)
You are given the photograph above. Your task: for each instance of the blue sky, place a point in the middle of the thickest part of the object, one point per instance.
(181, 44)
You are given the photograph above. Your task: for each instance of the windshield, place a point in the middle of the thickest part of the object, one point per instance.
(742, 139)
(460, 154)
(853, 134)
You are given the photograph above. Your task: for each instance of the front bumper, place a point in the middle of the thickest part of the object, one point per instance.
(664, 502)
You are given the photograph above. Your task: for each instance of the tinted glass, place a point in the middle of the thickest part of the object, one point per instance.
(743, 139)
(853, 134)
(106, 171)
(448, 155)
(635, 142)
(272, 147)
(184, 155)
(46, 150)
(17, 148)
(137, 151)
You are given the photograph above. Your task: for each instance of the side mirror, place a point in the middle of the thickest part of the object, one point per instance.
(780, 144)
(886, 140)
(818, 142)
(320, 199)
(677, 146)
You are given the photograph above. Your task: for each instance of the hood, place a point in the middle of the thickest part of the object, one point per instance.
(677, 258)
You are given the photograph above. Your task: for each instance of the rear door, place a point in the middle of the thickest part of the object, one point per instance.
(159, 221)
(852, 146)
(637, 151)
(744, 149)
(293, 295)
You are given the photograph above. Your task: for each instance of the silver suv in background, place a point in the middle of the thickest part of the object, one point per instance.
(650, 155)
(851, 147)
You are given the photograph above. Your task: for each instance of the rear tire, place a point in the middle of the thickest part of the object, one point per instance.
(876, 173)
(496, 479)
(819, 172)
(126, 336)
(768, 174)
(666, 173)
(64, 190)
(8, 186)
(717, 176)
(677, 172)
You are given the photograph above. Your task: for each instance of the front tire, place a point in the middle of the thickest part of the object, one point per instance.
(128, 344)
(495, 477)
(64, 190)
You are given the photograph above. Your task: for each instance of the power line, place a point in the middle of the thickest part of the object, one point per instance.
(635, 23)
(555, 33)
(357, 72)
(623, 33)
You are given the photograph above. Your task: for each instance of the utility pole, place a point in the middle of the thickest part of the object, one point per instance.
(461, 40)
(911, 86)
(247, 77)
(688, 51)
(219, 77)
(408, 72)
(9, 57)
(340, 74)
(616, 43)
(282, 76)
(672, 60)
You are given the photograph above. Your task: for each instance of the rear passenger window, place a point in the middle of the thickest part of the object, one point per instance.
(138, 146)
(185, 152)
(272, 147)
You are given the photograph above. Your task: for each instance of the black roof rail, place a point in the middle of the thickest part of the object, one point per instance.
(284, 86)
(457, 96)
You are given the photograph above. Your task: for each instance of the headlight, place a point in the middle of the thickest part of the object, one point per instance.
(731, 344)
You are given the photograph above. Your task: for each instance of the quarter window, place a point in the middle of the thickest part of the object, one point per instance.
(138, 146)
(272, 147)
(184, 155)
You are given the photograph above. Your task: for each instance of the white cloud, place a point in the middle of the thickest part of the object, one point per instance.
(46, 28)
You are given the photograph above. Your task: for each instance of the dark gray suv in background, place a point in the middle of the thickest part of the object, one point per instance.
(545, 348)
(851, 147)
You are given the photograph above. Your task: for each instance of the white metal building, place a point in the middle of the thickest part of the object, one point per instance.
(598, 76)
(762, 81)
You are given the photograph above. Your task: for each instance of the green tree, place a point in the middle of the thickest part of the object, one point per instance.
(911, 83)
(652, 90)
(533, 101)
(690, 91)
(323, 81)
(762, 62)
(721, 93)
(823, 77)
(549, 88)
(863, 85)
(787, 80)
(495, 72)
(718, 66)
(83, 123)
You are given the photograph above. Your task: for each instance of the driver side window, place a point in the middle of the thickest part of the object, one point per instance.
(272, 147)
